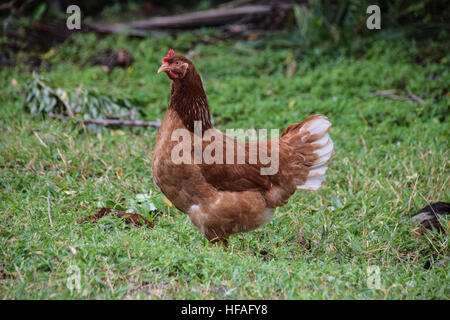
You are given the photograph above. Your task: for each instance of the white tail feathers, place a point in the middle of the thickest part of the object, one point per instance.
(313, 183)
(317, 126)
(315, 132)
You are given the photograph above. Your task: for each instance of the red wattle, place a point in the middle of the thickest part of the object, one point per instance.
(172, 75)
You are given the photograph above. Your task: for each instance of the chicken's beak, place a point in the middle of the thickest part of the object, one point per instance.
(164, 67)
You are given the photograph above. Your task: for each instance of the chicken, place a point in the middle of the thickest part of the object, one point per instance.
(234, 193)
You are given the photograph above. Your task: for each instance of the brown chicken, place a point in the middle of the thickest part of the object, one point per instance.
(238, 191)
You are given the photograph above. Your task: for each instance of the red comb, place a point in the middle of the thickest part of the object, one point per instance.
(170, 54)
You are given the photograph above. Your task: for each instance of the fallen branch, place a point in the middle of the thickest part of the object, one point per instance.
(131, 114)
(48, 210)
(236, 3)
(211, 17)
(109, 122)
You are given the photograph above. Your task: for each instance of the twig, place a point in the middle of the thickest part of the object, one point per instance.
(390, 94)
(109, 122)
(383, 92)
(43, 85)
(40, 140)
(131, 114)
(48, 209)
(415, 98)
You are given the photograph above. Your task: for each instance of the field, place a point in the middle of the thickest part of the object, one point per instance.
(353, 239)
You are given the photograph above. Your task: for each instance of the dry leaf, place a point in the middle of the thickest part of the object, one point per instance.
(129, 217)
(292, 103)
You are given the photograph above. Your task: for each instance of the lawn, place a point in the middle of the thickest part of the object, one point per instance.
(392, 158)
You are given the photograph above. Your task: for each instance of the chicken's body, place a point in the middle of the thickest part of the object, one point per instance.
(222, 199)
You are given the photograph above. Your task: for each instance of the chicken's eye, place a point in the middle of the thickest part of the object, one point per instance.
(177, 63)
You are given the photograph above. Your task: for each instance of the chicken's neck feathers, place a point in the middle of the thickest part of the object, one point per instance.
(188, 99)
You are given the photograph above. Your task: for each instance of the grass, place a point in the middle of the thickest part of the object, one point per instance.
(391, 160)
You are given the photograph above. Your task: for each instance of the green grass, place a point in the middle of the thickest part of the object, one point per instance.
(391, 160)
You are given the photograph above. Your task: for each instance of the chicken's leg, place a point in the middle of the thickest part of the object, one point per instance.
(220, 242)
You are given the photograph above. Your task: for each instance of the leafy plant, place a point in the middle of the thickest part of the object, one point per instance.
(88, 103)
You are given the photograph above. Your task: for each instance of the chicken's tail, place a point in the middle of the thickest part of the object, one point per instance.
(311, 149)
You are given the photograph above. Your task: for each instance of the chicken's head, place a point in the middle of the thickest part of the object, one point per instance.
(175, 66)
